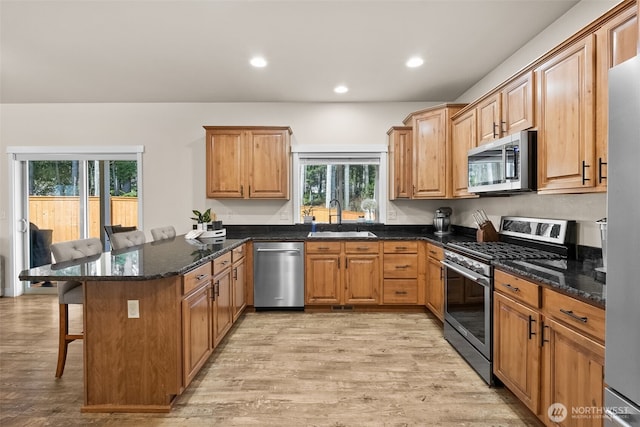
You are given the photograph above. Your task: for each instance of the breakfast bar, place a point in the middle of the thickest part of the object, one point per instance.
(140, 345)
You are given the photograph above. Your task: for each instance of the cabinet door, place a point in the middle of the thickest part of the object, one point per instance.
(400, 140)
(517, 105)
(239, 287)
(362, 279)
(322, 279)
(489, 119)
(573, 374)
(435, 288)
(268, 159)
(196, 331)
(429, 155)
(617, 41)
(222, 312)
(566, 148)
(225, 164)
(463, 137)
(516, 349)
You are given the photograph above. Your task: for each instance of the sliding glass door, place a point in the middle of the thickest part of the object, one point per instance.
(61, 197)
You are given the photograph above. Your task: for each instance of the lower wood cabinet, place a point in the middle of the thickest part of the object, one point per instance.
(222, 303)
(339, 272)
(434, 299)
(239, 281)
(543, 356)
(401, 276)
(196, 330)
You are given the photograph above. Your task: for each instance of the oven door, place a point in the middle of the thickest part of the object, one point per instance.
(468, 305)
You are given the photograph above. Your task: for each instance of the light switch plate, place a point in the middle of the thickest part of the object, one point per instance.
(133, 309)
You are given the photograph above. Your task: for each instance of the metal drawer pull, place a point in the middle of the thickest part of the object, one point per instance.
(571, 314)
(531, 320)
(403, 266)
(201, 276)
(511, 288)
(401, 248)
(363, 248)
(401, 292)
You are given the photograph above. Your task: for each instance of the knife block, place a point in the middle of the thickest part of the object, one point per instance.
(487, 233)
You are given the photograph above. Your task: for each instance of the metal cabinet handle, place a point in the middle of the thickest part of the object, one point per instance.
(504, 127)
(531, 320)
(584, 176)
(242, 190)
(235, 273)
(363, 248)
(402, 267)
(542, 339)
(201, 276)
(510, 287)
(495, 133)
(571, 314)
(600, 164)
(401, 292)
(401, 248)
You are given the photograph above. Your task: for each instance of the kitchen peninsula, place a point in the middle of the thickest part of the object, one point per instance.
(142, 345)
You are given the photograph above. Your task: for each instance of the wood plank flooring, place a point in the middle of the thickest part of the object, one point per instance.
(274, 369)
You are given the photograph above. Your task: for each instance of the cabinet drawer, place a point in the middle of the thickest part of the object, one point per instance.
(435, 251)
(322, 247)
(400, 266)
(400, 292)
(194, 278)
(222, 262)
(238, 253)
(362, 247)
(400, 247)
(581, 316)
(516, 288)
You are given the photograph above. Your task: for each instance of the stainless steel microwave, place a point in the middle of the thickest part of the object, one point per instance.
(504, 166)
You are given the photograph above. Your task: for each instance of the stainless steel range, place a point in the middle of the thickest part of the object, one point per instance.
(468, 314)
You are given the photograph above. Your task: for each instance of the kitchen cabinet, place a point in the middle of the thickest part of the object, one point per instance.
(435, 281)
(565, 111)
(247, 162)
(197, 341)
(343, 272)
(463, 138)
(509, 110)
(548, 348)
(431, 151)
(400, 283)
(222, 303)
(239, 280)
(616, 41)
(400, 140)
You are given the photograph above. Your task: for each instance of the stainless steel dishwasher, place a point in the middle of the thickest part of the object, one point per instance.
(278, 275)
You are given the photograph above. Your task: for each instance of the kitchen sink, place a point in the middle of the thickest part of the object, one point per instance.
(342, 234)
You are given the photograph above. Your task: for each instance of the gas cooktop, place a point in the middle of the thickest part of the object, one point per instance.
(501, 250)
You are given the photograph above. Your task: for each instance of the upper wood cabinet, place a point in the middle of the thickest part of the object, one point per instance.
(616, 42)
(400, 139)
(508, 110)
(248, 162)
(463, 138)
(566, 140)
(431, 151)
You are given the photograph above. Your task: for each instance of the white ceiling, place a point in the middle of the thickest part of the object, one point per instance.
(198, 50)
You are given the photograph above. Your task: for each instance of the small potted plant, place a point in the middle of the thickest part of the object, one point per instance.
(203, 218)
(307, 215)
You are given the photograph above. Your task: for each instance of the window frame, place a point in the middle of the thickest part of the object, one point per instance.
(341, 153)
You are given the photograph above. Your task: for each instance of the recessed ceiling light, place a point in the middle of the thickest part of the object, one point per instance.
(258, 62)
(414, 62)
(341, 89)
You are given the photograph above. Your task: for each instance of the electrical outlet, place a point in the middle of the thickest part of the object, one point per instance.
(133, 309)
(392, 214)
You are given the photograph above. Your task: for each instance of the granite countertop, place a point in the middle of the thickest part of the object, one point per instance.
(577, 278)
(155, 260)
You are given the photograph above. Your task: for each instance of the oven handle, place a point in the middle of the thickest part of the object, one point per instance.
(478, 278)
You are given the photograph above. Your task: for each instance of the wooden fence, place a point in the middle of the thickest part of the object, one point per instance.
(62, 214)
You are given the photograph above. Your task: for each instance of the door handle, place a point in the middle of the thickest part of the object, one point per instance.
(25, 226)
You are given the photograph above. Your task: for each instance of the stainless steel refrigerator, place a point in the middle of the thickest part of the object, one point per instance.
(622, 341)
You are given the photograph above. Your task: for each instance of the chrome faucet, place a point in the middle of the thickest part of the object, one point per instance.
(338, 214)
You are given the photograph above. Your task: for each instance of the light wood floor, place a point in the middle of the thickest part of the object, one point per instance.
(274, 369)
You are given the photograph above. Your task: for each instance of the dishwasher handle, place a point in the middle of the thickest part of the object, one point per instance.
(282, 251)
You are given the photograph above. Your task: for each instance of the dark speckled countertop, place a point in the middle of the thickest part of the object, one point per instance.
(177, 256)
(577, 278)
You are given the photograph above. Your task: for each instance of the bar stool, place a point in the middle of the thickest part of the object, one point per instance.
(70, 292)
(163, 233)
(127, 239)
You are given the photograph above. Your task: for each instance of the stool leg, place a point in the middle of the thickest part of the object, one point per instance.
(63, 343)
